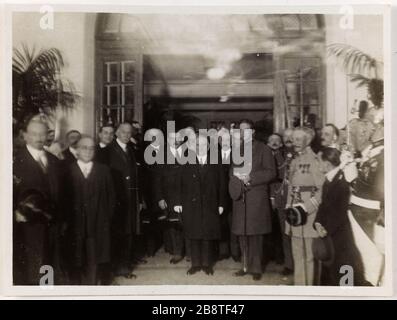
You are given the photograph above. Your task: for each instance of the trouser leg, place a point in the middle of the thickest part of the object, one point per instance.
(255, 253)
(303, 261)
(207, 253)
(286, 240)
(195, 252)
(177, 240)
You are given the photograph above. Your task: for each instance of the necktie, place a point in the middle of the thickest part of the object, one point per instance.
(86, 172)
(42, 160)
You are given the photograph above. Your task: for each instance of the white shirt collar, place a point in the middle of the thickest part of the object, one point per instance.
(73, 151)
(102, 145)
(331, 174)
(85, 166)
(35, 153)
(121, 144)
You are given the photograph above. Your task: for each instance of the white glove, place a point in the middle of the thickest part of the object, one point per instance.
(178, 209)
(19, 217)
(220, 210)
(350, 172)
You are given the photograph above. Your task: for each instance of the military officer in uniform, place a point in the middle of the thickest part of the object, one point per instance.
(304, 193)
(367, 200)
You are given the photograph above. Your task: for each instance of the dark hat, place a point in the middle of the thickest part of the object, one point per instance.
(236, 188)
(323, 250)
(296, 216)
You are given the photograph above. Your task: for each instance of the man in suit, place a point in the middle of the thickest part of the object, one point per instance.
(106, 136)
(70, 153)
(202, 194)
(251, 211)
(35, 236)
(125, 222)
(278, 192)
(228, 245)
(154, 217)
(91, 204)
(165, 184)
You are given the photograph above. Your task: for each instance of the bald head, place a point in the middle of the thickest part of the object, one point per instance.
(124, 132)
(36, 134)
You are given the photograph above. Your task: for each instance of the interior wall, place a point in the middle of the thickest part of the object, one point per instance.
(73, 34)
(365, 35)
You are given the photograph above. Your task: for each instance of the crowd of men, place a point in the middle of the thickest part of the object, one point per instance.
(96, 209)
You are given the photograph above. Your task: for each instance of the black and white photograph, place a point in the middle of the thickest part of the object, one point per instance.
(199, 149)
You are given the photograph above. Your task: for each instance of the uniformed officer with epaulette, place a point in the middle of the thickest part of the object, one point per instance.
(304, 194)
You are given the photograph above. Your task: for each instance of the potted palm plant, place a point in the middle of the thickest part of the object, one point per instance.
(38, 85)
(363, 69)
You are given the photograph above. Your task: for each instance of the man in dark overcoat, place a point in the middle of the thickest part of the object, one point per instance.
(252, 212)
(125, 222)
(91, 204)
(36, 235)
(165, 186)
(202, 196)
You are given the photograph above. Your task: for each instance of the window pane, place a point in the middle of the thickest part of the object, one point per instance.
(290, 22)
(114, 72)
(128, 68)
(128, 91)
(114, 95)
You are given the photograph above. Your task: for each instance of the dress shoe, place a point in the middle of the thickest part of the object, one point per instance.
(175, 260)
(193, 270)
(208, 270)
(287, 272)
(131, 276)
(256, 276)
(240, 273)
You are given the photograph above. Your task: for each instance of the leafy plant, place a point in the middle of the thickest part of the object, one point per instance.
(38, 86)
(362, 68)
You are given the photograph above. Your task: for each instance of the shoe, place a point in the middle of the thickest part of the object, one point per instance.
(256, 276)
(208, 271)
(240, 273)
(175, 260)
(130, 276)
(193, 270)
(286, 272)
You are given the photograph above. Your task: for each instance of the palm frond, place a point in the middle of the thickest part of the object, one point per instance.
(38, 83)
(353, 60)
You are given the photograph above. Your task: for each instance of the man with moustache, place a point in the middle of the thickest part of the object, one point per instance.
(91, 206)
(125, 222)
(304, 196)
(330, 136)
(38, 203)
(278, 196)
(251, 210)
